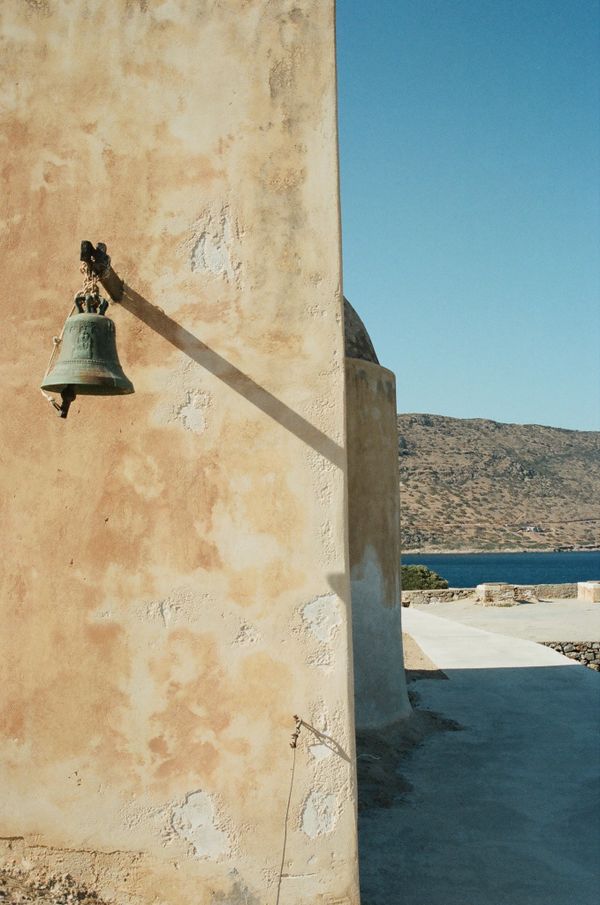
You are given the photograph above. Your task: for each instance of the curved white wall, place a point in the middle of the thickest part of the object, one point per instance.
(374, 536)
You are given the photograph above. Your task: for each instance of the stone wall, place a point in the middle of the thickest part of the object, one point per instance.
(174, 578)
(585, 652)
(437, 595)
(554, 591)
(539, 591)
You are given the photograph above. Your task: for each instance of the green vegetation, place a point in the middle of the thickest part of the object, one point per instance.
(419, 578)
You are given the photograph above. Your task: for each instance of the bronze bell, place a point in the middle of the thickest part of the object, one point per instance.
(88, 363)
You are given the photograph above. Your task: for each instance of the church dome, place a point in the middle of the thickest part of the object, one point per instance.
(357, 340)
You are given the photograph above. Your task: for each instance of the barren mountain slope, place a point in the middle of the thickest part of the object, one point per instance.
(481, 485)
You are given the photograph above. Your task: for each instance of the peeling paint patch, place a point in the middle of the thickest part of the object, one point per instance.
(181, 401)
(247, 635)
(319, 814)
(322, 615)
(195, 821)
(210, 248)
(157, 819)
(184, 606)
(192, 411)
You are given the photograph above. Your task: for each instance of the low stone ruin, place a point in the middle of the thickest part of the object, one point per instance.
(496, 593)
(585, 652)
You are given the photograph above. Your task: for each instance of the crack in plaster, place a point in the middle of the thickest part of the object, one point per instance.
(74, 851)
(39, 859)
(296, 876)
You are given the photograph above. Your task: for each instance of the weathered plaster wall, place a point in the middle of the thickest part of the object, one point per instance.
(174, 577)
(374, 531)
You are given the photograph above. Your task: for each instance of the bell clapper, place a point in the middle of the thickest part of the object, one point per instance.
(67, 396)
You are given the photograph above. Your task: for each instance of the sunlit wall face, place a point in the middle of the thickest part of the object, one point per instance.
(174, 572)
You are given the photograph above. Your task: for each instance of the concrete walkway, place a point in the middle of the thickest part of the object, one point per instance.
(505, 811)
(548, 620)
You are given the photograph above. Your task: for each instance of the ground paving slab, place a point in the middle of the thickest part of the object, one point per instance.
(546, 620)
(506, 810)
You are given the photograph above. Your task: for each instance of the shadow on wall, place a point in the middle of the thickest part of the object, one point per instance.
(503, 812)
(186, 342)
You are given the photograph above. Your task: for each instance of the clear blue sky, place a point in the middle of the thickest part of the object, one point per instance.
(470, 171)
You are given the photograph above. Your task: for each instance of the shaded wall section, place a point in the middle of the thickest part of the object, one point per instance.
(174, 580)
(374, 530)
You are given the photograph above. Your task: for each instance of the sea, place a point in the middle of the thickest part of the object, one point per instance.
(465, 570)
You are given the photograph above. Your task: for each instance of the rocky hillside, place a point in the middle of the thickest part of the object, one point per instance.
(481, 485)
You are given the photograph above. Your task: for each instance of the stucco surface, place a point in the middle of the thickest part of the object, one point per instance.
(174, 569)
(374, 538)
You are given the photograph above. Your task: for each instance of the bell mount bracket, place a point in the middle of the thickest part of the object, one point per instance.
(98, 260)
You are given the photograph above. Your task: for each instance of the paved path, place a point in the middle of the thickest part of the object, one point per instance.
(506, 811)
(548, 620)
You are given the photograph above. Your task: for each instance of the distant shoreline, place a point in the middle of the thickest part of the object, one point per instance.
(436, 551)
(462, 569)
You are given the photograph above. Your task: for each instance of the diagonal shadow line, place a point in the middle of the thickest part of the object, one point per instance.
(199, 352)
(328, 741)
